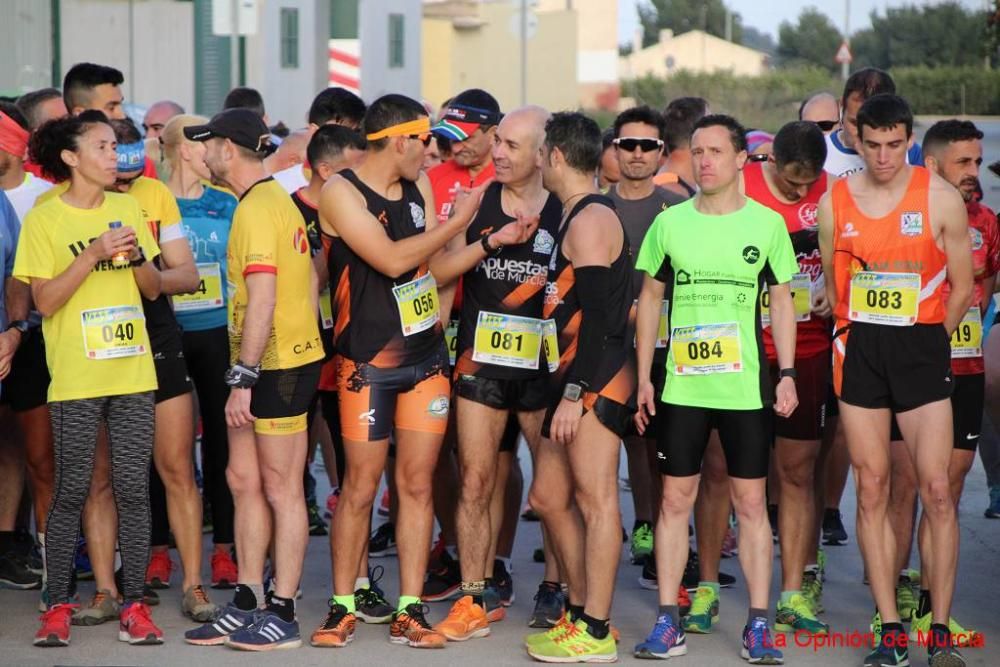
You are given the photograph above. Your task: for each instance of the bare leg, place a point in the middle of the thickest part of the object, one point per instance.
(711, 509)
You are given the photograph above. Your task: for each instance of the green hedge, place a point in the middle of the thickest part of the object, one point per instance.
(769, 101)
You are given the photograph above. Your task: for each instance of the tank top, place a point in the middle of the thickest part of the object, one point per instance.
(369, 307)
(511, 283)
(888, 270)
(562, 305)
(813, 333)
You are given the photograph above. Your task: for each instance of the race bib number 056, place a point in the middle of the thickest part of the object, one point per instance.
(418, 305)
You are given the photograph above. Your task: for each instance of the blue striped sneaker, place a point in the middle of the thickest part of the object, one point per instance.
(267, 633)
(666, 640)
(758, 649)
(229, 620)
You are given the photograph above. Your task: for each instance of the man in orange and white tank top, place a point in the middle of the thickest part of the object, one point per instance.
(891, 236)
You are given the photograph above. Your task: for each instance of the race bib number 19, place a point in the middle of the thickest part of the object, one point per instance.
(550, 342)
(801, 297)
(418, 305)
(967, 341)
(706, 348)
(110, 333)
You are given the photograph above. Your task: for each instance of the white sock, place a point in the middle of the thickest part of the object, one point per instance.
(362, 582)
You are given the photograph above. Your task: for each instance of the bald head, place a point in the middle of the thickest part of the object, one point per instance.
(528, 121)
(517, 151)
(821, 108)
(158, 115)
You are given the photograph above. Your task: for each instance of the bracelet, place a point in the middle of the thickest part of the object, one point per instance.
(242, 376)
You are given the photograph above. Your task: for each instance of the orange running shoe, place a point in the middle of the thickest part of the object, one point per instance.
(337, 630)
(411, 628)
(466, 620)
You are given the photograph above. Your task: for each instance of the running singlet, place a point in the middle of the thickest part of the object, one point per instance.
(370, 309)
(967, 341)
(812, 335)
(96, 344)
(888, 270)
(269, 236)
(206, 222)
(714, 268)
(615, 377)
(448, 178)
(499, 331)
(843, 161)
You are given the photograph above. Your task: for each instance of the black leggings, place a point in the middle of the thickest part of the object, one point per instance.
(207, 354)
(129, 420)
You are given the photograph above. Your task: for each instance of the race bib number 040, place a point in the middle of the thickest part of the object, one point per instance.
(111, 333)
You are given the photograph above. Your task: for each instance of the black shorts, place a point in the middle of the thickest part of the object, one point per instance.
(614, 416)
(901, 368)
(172, 377)
(27, 385)
(967, 409)
(683, 437)
(658, 376)
(511, 432)
(283, 397)
(811, 386)
(527, 395)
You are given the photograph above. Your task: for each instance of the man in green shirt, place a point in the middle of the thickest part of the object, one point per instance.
(710, 257)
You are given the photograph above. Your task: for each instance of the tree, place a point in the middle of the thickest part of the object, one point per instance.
(759, 40)
(814, 40)
(684, 15)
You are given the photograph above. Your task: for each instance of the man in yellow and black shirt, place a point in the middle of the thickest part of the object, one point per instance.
(276, 356)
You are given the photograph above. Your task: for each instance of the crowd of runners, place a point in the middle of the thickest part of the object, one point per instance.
(418, 291)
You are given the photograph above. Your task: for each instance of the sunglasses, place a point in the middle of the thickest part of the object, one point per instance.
(629, 144)
(757, 157)
(424, 138)
(826, 125)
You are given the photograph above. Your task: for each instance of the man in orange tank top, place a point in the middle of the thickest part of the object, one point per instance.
(890, 236)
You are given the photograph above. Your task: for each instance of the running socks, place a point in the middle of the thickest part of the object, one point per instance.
(756, 613)
(671, 610)
(247, 596)
(475, 589)
(575, 612)
(362, 583)
(283, 607)
(405, 601)
(346, 601)
(597, 627)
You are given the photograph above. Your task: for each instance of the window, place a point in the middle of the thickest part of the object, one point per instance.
(396, 29)
(289, 37)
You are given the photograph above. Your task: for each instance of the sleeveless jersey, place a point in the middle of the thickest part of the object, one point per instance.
(511, 283)
(367, 322)
(812, 335)
(615, 376)
(906, 270)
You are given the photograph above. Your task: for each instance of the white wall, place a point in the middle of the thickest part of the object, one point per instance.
(25, 32)
(373, 29)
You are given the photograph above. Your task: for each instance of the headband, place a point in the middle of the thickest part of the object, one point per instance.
(13, 137)
(421, 125)
(131, 157)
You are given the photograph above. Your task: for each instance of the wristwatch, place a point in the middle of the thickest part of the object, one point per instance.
(788, 373)
(242, 376)
(135, 263)
(572, 392)
(21, 325)
(490, 250)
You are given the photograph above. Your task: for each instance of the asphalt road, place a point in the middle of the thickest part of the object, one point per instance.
(847, 601)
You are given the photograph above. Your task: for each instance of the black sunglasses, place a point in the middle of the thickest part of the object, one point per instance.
(826, 125)
(757, 157)
(629, 144)
(425, 138)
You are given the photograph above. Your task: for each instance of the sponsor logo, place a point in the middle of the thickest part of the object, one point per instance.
(849, 231)
(544, 243)
(683, 277)
(552, 260)
(499, 268)
(300, 242)
(971, 436)
(751, 254)
(911, 223)
(417, 213)
(439, 406)
(807, 215)
(367, 417)
(977, 238)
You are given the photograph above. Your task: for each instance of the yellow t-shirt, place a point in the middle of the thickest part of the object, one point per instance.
(96, 344)
(269, 235)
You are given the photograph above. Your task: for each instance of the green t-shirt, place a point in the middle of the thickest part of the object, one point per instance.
(714, 267)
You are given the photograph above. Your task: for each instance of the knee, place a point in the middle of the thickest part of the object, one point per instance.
(414, 488)
(935, 494)
(358, 490)
(476, 486)
(750, 505)
(176, 472)
(242, 481)
(873, 489)
(713, 469)
(279, 489)
(100, 482)
(797, 475)
(677, 502)
(41, 467)
(549, 501)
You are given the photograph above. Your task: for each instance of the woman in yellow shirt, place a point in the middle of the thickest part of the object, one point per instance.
(85, 255)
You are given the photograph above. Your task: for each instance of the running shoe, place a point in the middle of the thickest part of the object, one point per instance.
(228, 620)
(331, 503)
(820, 563)
(920, 630)
(136, 625)
(196, 605)
(504, 582)
(383, 541)
(383, 504)
(906, 601)
(466, 620)
(812, 590)
(15, 573)
(642, 543)
(224, 570)
(561, 627)
(158, 571)
(267, 632)
(890, 649)
(772, 517)
(941, 651)
(665, 640)
(647, 578)
(550, 606)
(834, 533)
(103, 607)
(495, 611)
(576, 645)
(758, 648)
(704, 612)
(410, 627)
(730, 543)
(317, 527)
(529, 513)
(993, 510)
(81, 563)
(55, 626)
(797, 615)
(370, 603)
(337, 630)
(692, 574)
(443, 584)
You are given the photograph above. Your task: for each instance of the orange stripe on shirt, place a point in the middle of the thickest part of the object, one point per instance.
(259, 268)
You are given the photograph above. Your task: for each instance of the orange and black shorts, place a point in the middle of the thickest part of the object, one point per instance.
(613, 402)
(373, 401)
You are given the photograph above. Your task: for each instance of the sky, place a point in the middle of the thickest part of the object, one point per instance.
(767, 16)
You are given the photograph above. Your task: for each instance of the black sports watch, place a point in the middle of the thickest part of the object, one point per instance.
(788, 373)
(242, 376)
(490, 250)
(21, 325)
(136, 263)
(572, 392)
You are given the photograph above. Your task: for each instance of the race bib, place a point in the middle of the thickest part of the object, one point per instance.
(110, 333)
(550, 343)
(885, 298)
(418, 305)
(507, 340)
(967, 341)
(661, 331)
(209, 292)
(706, 348)
(325, 309)
(451, 340)
(801, 297)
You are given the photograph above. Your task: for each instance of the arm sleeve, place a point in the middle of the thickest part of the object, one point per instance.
(593, 289)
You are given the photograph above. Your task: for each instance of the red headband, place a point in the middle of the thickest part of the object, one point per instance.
(13, 137)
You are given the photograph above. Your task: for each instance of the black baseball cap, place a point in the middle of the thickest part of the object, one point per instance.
(241, 126)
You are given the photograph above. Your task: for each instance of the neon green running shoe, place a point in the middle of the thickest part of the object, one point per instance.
(821, 562)
(797, 615)
(906, 601)
(576, 645)
(642, 543)
(812, 590)
(876, 628)
(704, 612)
(551, 634)
(920, 629)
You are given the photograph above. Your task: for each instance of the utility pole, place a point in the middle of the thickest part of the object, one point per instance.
(845, 67)
(524, 52)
